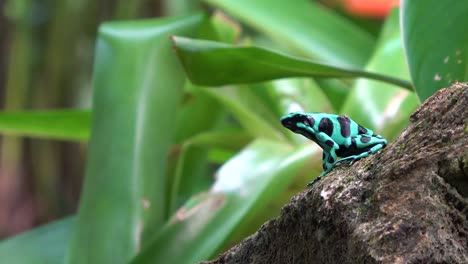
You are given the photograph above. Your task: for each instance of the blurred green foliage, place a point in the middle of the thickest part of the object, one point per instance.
(176, 171)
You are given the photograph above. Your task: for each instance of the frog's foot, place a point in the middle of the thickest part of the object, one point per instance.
(318, 178)
(314, 181)
(347, 160)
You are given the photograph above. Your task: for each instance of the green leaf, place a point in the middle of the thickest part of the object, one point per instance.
(188, 168)
(337, 90)
(436, 43)
(46, 244)
(226, 140)
(298, 94)
(212, 63)
(188, 173)
(284, 96)
(244, 186)
(60, 124)
(383, 107)
(137, 88)
(253, 123)
(189, 163)
(305, 27)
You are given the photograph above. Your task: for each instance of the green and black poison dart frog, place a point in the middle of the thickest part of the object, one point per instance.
(337, 135)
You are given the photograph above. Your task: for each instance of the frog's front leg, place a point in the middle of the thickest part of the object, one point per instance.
(329, 154)
(327, 164)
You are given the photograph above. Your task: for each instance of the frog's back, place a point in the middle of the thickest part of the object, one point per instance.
(338, 127)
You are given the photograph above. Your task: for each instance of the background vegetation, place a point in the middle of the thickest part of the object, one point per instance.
(176, 170)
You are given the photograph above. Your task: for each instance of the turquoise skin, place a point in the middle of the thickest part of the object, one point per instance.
(337, 135)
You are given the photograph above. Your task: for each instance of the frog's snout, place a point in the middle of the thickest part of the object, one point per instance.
(286, 122)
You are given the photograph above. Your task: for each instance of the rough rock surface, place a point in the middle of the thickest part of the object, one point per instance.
(405, 204)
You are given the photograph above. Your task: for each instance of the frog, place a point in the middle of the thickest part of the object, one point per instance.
(337, 135)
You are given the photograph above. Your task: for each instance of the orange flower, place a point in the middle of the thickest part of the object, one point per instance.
(370, 8)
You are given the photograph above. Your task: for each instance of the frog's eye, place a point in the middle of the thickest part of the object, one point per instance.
(309, 121)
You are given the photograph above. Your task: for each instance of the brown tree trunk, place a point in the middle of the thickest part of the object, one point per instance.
(405, 204)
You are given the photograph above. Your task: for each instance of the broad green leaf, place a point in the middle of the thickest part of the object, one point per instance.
(222, 139)
(137, 88)
(436, 43)
(337, 90)
(284, 96)
(256, 98)
(212, 63)
(46, 244)
(244, 185)
(189, 166)
(383, 107)
(225, 29)
(188, 173)
(200, 112)
(305, 27)
(298, 94)
(254, 124)
(179, 7)
(183, 185)
(57, 124)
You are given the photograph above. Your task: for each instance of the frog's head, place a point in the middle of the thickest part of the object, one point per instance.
(297, 121)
